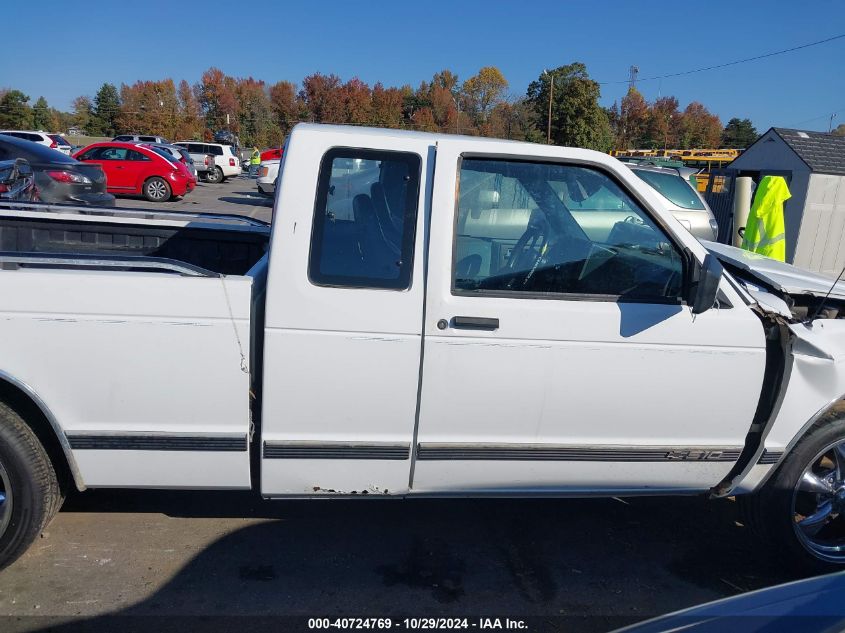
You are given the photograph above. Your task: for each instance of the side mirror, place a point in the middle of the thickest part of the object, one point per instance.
(706, 279)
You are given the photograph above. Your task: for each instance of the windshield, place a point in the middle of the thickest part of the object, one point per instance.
(673, 188)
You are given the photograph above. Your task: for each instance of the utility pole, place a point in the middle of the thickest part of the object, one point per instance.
(830, 123)
(551, 96)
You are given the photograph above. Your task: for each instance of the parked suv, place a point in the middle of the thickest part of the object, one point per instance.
(140, 138)
(226, 163)
(53, 141)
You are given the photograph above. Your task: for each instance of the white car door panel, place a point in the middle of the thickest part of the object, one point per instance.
(575, 390)
(344, 322)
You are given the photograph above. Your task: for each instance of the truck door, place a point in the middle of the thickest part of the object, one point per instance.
(560, 354)
(343, 319)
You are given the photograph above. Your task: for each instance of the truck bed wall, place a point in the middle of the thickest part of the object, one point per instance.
(219, 249)
(142, 370)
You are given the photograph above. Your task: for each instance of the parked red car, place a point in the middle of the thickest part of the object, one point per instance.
(132, 169)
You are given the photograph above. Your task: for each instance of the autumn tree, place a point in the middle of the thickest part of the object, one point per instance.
(357, 102)
(285, 105)
(15, 111)
(257, 123)
(664, 124)
(423, 120)
(216, 96)
(840, 130)
(322, 99)
(699, 128)
(149, 107)
(633, 120)
(739, 133)
(483, 91)
(577, 118)
(445, 79)
(189, 123)
(387, 106)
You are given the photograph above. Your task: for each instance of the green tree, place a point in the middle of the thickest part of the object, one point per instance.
(15, 111)
(577, 118)
(106, 111)
(840, 130)
(739, 133)
(83, 110)
(42, 119)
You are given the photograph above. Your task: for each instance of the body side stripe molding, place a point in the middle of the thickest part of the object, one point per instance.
(157, 442)
(336, 450)
(552, 452)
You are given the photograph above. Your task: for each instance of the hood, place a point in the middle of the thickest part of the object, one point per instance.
(785, 278)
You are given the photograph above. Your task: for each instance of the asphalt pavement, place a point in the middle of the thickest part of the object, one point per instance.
(238, 195)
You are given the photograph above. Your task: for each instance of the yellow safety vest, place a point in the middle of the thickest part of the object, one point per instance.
(765, 232)
(256, 157)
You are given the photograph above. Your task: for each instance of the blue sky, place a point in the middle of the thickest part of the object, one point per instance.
(406, 42)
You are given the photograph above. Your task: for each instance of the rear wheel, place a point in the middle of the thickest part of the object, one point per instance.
(157, 190)
(802, 508)
(214, 175)
(29, 490)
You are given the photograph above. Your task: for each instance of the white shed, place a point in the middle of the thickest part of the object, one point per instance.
(813, 164)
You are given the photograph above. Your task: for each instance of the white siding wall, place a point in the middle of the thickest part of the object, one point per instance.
(820, 243)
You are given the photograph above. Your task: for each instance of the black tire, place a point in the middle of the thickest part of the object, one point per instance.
(157, 189)
(214, 176)
(33, 492)
(771, 512)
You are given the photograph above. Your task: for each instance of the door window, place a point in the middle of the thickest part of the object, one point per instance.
(136, 156)
(112, 153)
(544, 228)
(365, 219)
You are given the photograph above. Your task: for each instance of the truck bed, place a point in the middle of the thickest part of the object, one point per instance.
(218, 244)
(146, 343)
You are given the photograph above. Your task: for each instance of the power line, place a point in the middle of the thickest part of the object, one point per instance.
(821, 116)
(726, 64)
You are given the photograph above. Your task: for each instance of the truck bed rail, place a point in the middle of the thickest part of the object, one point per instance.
(126, 212)
(13, 260)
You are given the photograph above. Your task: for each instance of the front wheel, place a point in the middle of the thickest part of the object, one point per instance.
(802, 508)
(157, 190)
(29, 490)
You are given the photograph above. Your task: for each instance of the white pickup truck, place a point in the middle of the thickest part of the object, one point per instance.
(429, 315)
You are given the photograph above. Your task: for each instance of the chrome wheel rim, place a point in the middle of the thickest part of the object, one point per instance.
(157, 189)
(818, 505)
(5, 500)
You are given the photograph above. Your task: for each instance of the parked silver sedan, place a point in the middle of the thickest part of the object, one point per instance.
(685, 203)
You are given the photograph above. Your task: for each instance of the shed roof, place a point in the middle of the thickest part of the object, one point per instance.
(824, 153)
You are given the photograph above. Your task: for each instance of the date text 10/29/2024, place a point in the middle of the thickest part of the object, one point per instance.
(418, 624)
